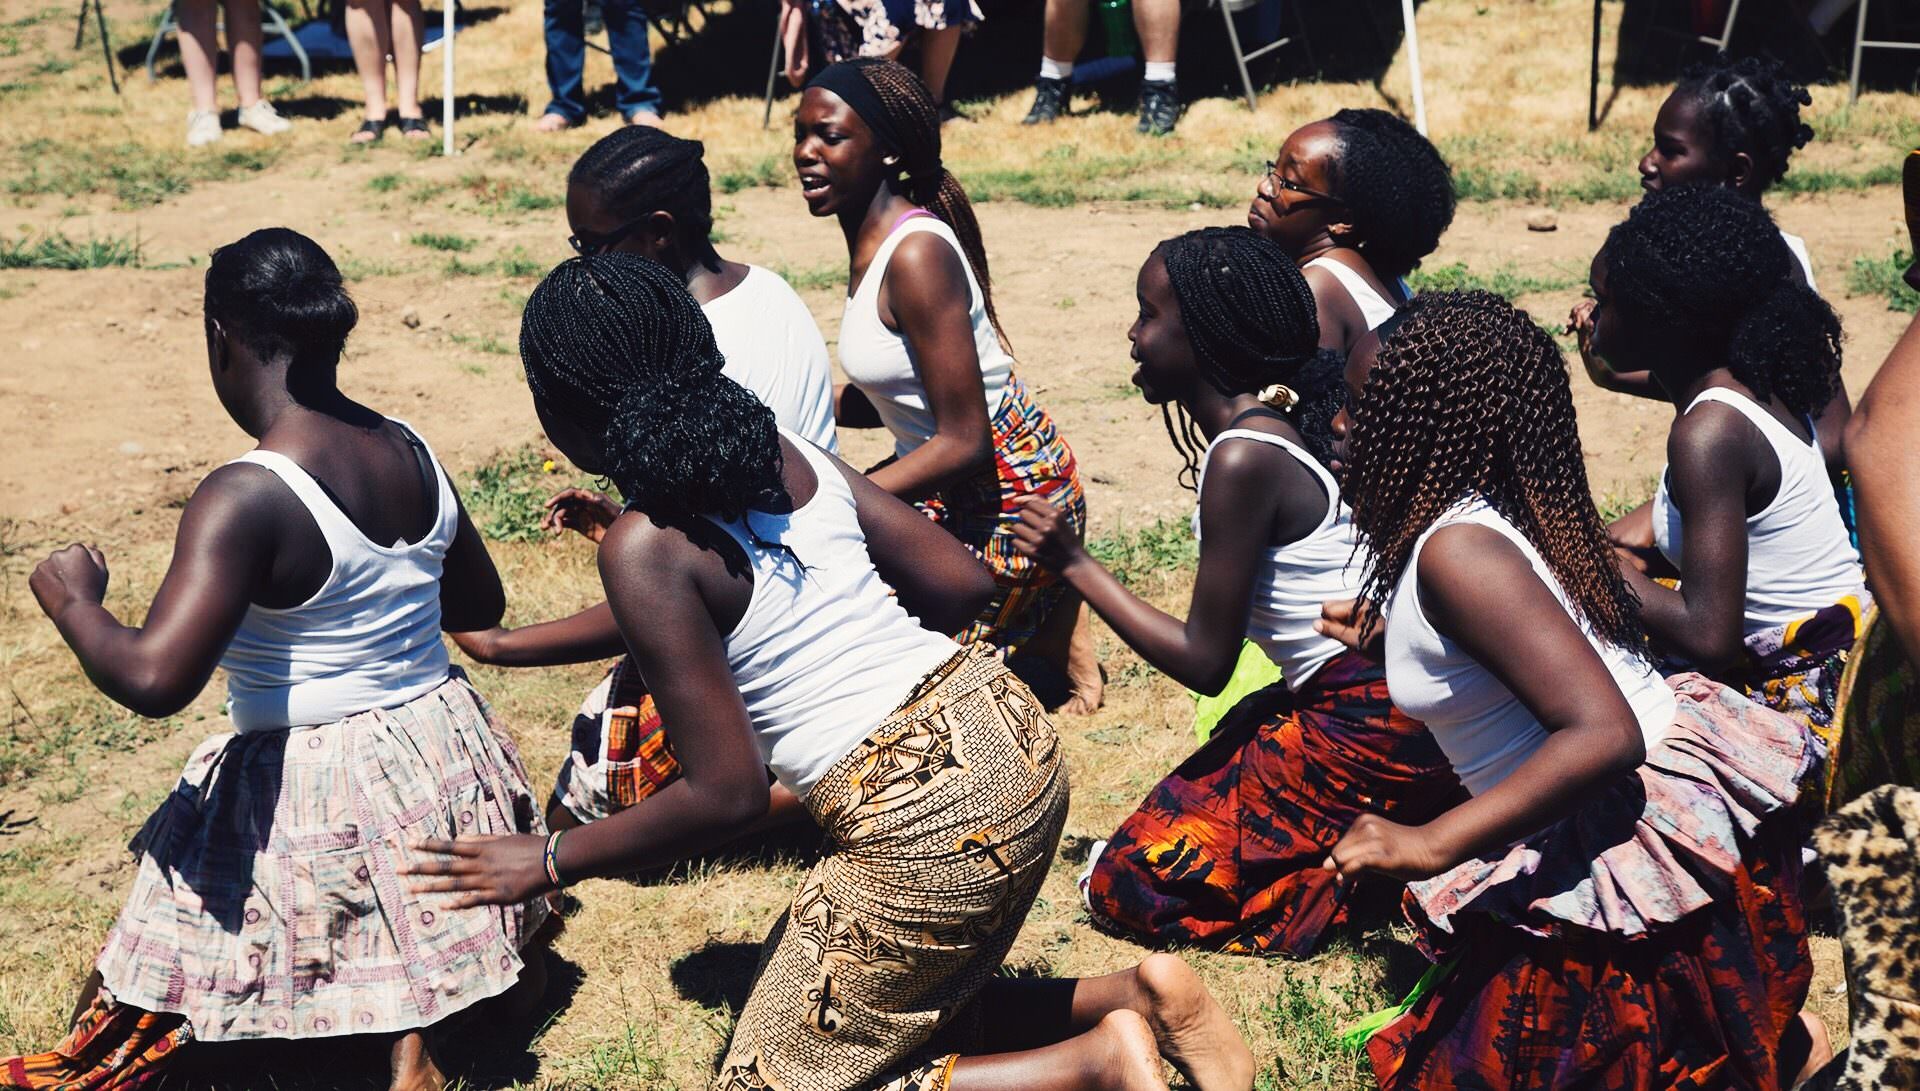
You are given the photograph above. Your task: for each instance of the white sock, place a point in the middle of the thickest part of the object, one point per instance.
(1159, 71)
(1051, 69)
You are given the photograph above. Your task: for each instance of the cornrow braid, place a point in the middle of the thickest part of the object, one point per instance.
(1249, 315)
(1469, 397)
(916, 118)
(1397, 186)
(1754, 107)
(614, 345)
(637, 170)
(1706, 265)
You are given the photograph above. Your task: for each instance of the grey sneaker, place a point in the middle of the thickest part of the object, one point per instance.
(203, 127)
(261, 117)
(1159, 107)
(1049, 101)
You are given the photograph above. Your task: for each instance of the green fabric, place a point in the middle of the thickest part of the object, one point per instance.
(1355, 1037)
(1252, 673)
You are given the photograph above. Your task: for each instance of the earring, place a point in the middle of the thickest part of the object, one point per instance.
(890, 160)
(1278, 396)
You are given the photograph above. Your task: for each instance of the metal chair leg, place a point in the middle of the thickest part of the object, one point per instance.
(106, 46)
(1859, 38)
(1239, 58)
(281, 28)
(773, 68)
(160, 29)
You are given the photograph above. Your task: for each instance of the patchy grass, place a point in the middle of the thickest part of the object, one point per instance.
(1884, 277)
(57, 251)
(1505, 280)
(138, 176)
(1158, 551)
(386, 183)
(507, 497)
(445, 243)
(832, 274)
(772, 171)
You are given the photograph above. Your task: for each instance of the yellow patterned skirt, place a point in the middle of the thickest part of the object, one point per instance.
(940, 828)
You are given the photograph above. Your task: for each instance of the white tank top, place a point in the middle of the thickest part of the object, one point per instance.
(1299, 576)
(1374, 307)
(880, 362)
(1480, 725)
(824, 651)
(1799, 556)
(368, 639)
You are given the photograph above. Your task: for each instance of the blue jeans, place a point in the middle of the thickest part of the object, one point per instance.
(567, 57)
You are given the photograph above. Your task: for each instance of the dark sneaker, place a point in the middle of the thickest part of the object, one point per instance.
(1049, 101)
(1159, 107)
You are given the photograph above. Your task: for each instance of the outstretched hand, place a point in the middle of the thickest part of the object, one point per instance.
(1580, 326)
(1374, 844)
(1348, 621)
(77, 573)
(580, 510)
(1045, 534)
(480, 870)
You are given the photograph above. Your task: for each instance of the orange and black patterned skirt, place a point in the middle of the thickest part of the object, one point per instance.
(1226, 851)
(112, 1047)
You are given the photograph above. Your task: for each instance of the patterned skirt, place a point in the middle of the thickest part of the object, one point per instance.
(941, 826)
(1876, 717)
(1795, 668)
(1226, 851)
(1029, 457)
(1655, 938)
(620, 753)
(839, 30)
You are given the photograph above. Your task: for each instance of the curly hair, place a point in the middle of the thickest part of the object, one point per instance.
(637, 170)
(1469, 397)
(614, 345)
(281, 294)
(1706, 265)
(1397, 186)
(916, 117)
(1250, 319)
(1753, 107)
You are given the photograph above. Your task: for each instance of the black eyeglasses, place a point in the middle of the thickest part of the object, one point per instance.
(588, 245)
(1279, 183)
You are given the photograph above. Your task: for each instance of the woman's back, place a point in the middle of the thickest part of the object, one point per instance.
(359, 570)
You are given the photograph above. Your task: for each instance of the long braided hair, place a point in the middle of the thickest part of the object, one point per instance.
(1250, 319)
(916, 118)
(1397, 186)
(1469, 397)
(1753, 107)
(1706, 265)
(637, 170)
(615, 345)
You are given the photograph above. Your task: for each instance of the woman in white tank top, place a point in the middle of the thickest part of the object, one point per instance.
(924, 353)
(1618, 904)
(1226, 333)
(1358, 199)
(754, 579)
(1697, 288)
(318, 570)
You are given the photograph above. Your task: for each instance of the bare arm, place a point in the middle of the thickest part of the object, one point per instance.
(1250, 488)
(1885, 459)
(926, 292)
(470, 593)
(939, 581)
(222, 557)
(1708, 455)
(1478, 589)
(578, 638)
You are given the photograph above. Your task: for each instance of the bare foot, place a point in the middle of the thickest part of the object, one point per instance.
(412, 1065)
(1085, 680)
(646, 118)
(552, 123)
(1818, 1046)
(1131, 1062)
(1191, 1027)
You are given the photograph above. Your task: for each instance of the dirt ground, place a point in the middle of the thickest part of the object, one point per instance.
(110, 422)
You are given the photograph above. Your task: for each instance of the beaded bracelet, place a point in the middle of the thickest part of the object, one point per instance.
(552, 859)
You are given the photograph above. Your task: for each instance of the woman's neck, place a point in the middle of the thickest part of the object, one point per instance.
(866, 228)
(1215, 412)
(1319, 247)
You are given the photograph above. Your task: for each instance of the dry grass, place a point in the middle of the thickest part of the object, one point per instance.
(647, 973)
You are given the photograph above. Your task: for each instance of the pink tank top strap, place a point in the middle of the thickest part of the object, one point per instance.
(908, 215)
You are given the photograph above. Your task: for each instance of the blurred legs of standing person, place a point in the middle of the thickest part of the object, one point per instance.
(377, 29)
(636, 97)
(1157, 22)
(200, 56)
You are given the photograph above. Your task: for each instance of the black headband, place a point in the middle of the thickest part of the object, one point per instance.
(845, 80)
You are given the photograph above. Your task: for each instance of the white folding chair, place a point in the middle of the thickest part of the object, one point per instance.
(1241, 58)
(272, 21)
(1861, 43)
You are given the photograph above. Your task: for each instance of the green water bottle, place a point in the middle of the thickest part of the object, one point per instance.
(1116, 20)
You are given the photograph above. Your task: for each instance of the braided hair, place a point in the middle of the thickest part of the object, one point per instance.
(1705, 264)
(1753, 107)
(1470, 397)
(614, 345)
(283, 297)
(1250, 318)
(1397, 186)
(637, 170)
(916, 118)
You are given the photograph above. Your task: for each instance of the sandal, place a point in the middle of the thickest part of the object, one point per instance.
(371, 129)
(412, 126)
